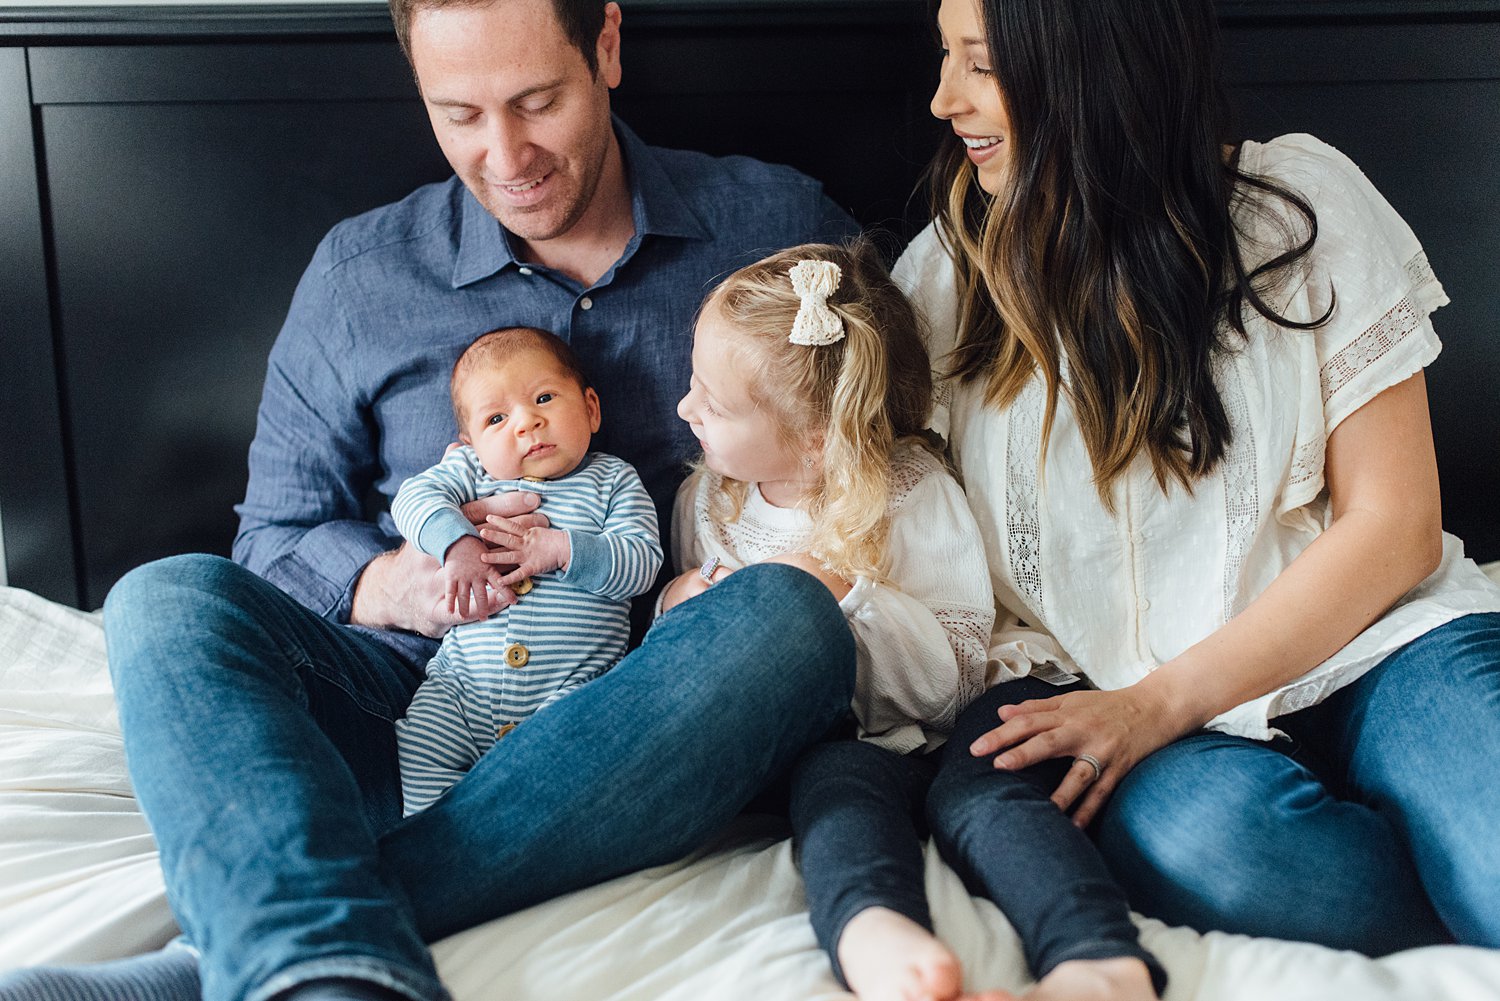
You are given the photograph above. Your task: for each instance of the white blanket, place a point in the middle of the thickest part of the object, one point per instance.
(79, 881)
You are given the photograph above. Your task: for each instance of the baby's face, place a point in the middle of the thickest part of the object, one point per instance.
(528, 416)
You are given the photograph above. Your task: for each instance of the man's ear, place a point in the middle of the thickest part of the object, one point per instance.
(607, 51)
(591, 400)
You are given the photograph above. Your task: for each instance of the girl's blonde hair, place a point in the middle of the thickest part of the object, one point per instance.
(859, 395)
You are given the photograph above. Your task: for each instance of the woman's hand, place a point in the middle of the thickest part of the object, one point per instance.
(1117, 728)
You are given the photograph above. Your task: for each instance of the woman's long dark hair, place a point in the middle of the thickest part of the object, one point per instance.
(1112, 249)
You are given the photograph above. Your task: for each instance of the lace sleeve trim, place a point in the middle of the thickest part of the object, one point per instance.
(1381, 337)
(911, 464)
(968, 634)
(1307, 462)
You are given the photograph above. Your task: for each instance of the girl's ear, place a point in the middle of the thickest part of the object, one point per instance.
(812, 451)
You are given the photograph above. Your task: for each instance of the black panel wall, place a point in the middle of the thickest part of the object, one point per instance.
(165, 175)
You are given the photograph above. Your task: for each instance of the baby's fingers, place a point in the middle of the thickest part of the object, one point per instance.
(514, 577)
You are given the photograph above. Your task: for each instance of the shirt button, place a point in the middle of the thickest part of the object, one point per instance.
(526, 271)
(517, 655)
(524, 587)
(586, 303)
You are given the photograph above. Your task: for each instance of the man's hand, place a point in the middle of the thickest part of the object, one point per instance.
(404, 589)
(520, 506)
(401, 589)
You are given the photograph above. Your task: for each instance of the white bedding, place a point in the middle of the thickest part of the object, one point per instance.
(79, 881)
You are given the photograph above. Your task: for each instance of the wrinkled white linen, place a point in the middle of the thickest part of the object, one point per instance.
(79, 881)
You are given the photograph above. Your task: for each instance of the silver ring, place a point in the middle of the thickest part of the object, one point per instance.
(706, 571)
(1093, 763)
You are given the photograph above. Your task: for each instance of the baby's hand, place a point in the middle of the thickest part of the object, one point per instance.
(465, 573)
(530, 550)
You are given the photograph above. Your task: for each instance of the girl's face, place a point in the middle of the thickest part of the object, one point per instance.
(741, 439)
(968, 96)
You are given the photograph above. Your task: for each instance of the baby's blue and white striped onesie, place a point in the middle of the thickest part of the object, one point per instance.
(570, 628)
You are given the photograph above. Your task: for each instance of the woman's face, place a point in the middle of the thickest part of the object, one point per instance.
(968, 96)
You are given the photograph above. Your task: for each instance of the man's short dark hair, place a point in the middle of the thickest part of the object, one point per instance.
(581, 21)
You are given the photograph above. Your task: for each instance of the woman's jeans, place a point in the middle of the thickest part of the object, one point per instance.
(260, 738)
(1374, 827)
(859, 812)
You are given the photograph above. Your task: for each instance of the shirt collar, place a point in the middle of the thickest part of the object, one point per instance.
(658, 208)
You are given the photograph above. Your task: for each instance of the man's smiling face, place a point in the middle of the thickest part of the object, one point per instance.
(524, 123)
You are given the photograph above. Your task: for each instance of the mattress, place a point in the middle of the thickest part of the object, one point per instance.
(79, 881)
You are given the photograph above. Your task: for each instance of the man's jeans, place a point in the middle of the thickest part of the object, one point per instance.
(260, 738)
(1383, 806)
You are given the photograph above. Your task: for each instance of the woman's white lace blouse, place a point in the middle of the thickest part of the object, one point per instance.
(1114, 596)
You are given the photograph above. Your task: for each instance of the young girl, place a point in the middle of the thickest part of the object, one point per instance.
(810, 389)
(1187, 405)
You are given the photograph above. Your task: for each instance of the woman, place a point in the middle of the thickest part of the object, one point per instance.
(1187, 405)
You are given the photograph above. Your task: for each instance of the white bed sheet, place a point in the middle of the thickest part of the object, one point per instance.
(79, 881)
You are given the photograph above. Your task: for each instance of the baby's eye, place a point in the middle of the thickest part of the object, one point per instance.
(497, 419)
(710, 408)
(544, 398)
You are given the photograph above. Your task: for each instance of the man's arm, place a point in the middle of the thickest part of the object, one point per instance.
(312, 460)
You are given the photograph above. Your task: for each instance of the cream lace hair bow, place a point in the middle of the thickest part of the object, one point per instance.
(816, 322)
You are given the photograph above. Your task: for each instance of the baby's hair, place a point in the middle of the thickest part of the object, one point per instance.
(497, 346)
(860, 395)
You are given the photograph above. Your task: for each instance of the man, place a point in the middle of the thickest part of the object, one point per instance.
(260, 729)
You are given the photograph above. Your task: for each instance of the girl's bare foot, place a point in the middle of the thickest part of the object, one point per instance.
(1122, 979)
(889, 957)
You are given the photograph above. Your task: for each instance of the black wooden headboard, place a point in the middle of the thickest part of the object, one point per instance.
(166, 172)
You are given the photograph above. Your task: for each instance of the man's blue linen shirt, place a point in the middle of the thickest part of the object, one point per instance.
(356, 395)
